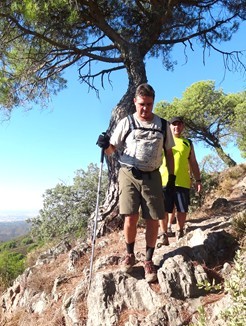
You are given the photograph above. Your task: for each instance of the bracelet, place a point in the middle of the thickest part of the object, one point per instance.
(198, 180)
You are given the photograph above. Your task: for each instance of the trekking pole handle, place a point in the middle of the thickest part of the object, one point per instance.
(102, 156)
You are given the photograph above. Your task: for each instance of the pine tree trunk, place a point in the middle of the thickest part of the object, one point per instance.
(225, 158)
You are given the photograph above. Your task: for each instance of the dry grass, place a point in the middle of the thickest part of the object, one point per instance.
(83, 311)
(229, 178)
(33, 256)
(44, 281)
(126, 313)
(239, 223)
(15, 319)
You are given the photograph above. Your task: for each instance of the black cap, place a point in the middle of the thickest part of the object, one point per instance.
(178, 119)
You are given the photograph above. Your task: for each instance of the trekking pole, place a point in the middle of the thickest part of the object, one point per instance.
(96, 217)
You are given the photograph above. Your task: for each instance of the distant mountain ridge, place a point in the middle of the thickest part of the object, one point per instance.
(13, 228)
(13, 218)
(16, 215)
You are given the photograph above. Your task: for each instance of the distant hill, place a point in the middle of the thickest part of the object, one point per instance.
(13, 229)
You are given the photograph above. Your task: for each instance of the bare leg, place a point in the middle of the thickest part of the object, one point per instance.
(163, 224)
(171, 218)
(130, 232)
(163, 232)
(151, 232)
(181, 218)
(130, 228)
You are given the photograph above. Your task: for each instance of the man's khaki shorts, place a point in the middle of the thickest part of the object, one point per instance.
(145, 193)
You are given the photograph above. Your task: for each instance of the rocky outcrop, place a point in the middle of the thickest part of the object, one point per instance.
(59, 281)
(180, 271)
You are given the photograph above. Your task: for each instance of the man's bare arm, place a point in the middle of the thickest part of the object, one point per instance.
(194, 167)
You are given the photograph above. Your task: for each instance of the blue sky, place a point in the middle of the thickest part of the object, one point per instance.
(41, 148)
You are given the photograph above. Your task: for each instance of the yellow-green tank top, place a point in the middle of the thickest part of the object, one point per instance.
(181, 153)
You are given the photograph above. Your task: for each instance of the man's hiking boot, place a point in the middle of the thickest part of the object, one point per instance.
(127, 263)
(162, 240)
(179, 234)
(170, 233)
(150, 271)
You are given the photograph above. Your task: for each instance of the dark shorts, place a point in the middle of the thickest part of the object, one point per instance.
(181, 200)
(141, 191)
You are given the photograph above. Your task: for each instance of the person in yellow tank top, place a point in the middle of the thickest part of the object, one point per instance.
(185, 167)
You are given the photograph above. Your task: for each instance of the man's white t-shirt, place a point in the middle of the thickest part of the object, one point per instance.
(142, 148)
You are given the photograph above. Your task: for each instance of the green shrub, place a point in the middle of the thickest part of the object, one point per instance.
(27, 241)
(235, 286)
(67, 209)
(8, 245)
(32, 247)
(11, 265)
(201, 318)
(209, 183)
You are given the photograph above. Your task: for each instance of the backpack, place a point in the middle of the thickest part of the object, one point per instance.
(133, 127)
(144, 149)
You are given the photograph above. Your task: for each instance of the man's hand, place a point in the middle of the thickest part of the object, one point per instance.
(103, 140)
(170, 187)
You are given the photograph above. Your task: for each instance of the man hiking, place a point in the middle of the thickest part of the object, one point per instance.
(140, 140)
(186, 167)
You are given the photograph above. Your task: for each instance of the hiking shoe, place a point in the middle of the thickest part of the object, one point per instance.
(163, 239)
(150, 271)
(127, 263)
(170, 233)
(179, 234)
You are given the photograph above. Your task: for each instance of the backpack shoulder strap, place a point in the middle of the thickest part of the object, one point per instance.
(163, 125)
(131, 122)
(132, 126)
(163, 129)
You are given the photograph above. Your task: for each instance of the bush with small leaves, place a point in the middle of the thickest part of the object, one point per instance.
(67, 208)
(11, 265)
(235, 286)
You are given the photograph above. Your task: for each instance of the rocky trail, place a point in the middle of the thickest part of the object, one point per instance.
(55, 292)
